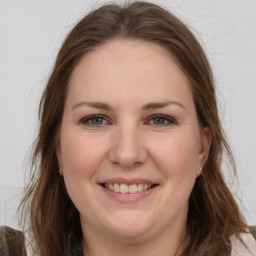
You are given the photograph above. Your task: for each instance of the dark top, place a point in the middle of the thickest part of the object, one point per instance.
(12, 242)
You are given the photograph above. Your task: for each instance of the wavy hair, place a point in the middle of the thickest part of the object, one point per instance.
(213, 215)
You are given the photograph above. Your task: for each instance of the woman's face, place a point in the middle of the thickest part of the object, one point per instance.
(130, 124)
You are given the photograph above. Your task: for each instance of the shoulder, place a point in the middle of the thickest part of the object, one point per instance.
(238, 248)
(11, 242)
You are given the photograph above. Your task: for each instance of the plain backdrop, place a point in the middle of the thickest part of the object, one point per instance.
(31, 33)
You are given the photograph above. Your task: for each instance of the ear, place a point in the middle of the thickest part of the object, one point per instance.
(206, 140)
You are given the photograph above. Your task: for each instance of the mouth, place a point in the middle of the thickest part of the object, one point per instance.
(128, 189)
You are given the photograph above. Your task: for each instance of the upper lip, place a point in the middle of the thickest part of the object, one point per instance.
(127, 181)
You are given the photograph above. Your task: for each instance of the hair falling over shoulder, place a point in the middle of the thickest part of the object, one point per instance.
(47, 211)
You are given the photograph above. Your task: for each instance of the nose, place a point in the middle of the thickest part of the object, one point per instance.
(127, 148)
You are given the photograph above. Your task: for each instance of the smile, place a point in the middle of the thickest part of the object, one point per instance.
(127, 189)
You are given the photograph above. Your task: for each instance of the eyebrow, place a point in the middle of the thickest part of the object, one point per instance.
(155, 105)
(99, 105)
(148, 106)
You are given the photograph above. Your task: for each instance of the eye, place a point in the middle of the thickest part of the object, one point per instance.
(94, 120)
(161, 120)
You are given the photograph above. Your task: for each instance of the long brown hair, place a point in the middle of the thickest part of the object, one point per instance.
(213, 213)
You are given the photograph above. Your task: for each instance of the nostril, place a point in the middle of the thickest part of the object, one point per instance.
(127, 151)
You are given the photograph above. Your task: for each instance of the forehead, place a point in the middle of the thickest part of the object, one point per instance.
(128, 67)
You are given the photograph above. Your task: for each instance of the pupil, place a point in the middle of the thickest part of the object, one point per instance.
(97, 120)
(159, 120)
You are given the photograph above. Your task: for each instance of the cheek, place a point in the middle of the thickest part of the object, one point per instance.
(176, 159)
(81, 157)
(177, 156)
(81, 154)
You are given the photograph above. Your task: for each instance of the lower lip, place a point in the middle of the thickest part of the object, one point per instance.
(129, 197)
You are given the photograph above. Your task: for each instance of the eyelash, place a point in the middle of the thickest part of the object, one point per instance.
(167, 120)
(88, 120)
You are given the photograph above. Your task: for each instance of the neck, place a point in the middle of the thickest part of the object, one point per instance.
(171, 242)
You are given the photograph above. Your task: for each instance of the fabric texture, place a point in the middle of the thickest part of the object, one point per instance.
(239, 249)
(74, 248)
(12, 242)
(253, 231)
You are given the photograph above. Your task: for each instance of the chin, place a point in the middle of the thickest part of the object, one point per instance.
(131, 225)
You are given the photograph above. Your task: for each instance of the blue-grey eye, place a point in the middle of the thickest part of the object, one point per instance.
(94, 120)
(161, 120)
(97, 120)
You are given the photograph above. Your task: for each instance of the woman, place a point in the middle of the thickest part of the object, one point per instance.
(128, 156)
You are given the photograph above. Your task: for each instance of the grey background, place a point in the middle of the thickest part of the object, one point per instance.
(31, 34)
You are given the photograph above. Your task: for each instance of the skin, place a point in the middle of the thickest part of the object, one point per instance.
(128, 141)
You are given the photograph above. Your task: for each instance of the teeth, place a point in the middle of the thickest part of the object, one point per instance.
(124, 188)
(133, 188)
(140, 187)
(116, 188)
